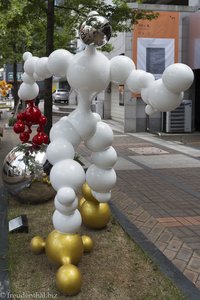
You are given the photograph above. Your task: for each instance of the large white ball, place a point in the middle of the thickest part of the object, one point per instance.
(67, 224)
(100, 180)
(58, 150)
(29, 65)
(139, 79)
(102, 197)
(161, 98)
(178, 77)
(67, 173)
(105, 159)
(102, 138)
(28, 91)
(89, 72)
(59, 61)
(120, 68)
(145, 95)
(64, 129)
(41, 68)
(66, 195)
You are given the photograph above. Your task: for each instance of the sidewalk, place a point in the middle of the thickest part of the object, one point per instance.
(158, 193)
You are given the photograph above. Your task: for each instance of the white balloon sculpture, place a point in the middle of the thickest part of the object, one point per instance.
(89, 72)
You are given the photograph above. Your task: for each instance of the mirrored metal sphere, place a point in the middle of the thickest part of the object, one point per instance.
(25, 174)
(95, 31)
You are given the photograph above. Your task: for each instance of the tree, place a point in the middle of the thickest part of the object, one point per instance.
(40, 26)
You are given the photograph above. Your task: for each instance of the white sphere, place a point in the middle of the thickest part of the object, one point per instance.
(27, 55)
(64, 129)
(28, 91)
(29, 65)
(105, 159)
(178, 77)
(58, 150)
(67, 173)
(161, 98)
(67, 224)
(139, 79)
(27, 78)
(59, 61)
(149, 110)
(100, 180)
(41, 68)
(66, 209)
(102, 197)
(120, 68)
(66, 195)
(102, 138)
(89, 72)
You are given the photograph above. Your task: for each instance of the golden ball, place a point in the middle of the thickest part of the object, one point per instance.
(37, 244)
(87, 243)
(80, 203)
(87, 194)
(68, 280)
(95, 215)
(64, 248)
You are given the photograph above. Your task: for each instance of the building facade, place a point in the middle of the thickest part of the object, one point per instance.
(153, 45)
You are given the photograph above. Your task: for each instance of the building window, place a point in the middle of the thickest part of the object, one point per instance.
(155, 60)
(121, 95)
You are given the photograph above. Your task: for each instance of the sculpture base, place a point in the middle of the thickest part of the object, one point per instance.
(65, 250)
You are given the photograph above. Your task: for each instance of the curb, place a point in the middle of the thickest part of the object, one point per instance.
(4, 274)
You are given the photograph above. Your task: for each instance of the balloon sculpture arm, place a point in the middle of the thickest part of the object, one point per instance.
(101, 176)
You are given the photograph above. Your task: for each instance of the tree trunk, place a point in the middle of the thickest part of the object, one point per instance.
(15, 84)
(49, 49)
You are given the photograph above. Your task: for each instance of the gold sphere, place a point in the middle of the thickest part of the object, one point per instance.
(95, 215)
(69, 280)
(37, 244)
(87, 243)
(64, 248)
(87, 194)
(80, 203)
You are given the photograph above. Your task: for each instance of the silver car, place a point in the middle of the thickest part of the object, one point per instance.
(60, 96)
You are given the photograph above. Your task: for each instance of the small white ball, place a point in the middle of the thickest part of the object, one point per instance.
(139, 79)
(41, 68)
(59, 61)
(27, 55)
(66, 195)
(149, 110)
(58, 150)
(120, 68)
(100, 180)
(105, 159)
(29, 65)
(27, 78)
(102, 138)
(102, 197)
(178, 77)
(66, 209)
(67, 173)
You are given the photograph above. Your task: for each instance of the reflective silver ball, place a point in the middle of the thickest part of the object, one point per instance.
(25, 174)
(95, 31)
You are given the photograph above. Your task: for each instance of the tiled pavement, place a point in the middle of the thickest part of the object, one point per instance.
(158, 190)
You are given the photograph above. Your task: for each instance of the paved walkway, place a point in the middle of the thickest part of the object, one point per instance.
(158, 191)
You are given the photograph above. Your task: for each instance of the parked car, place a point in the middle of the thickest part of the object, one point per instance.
(60, 96)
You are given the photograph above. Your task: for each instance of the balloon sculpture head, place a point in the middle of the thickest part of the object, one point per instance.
(95, 31)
